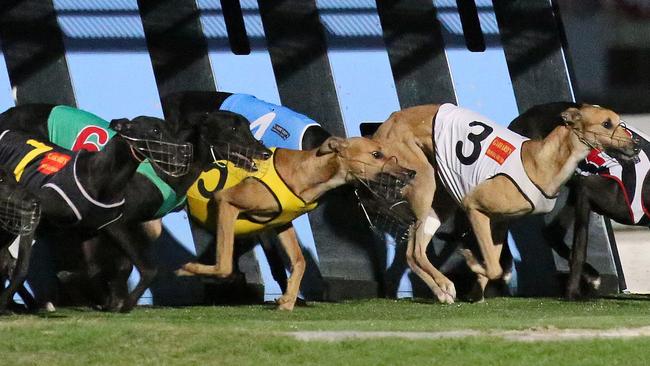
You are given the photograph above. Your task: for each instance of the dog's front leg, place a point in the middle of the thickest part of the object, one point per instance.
(420, 196)
(19, 273)
(226, 218)
(579, 249)
(289, 242)
(134, 241)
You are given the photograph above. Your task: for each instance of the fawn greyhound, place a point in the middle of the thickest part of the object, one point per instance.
(478, 164)
(618, 189)
(291, 187)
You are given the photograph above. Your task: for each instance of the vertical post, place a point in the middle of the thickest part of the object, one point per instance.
(33, 49)
(178, 49)
(416, 50)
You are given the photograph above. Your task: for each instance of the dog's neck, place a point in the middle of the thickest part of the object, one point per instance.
(105, 174)
(308, 174)
(413, 134)
(551, 162)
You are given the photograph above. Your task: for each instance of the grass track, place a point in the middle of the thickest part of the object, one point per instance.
(252, 335)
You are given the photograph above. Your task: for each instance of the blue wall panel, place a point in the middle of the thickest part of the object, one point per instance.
(6, 98)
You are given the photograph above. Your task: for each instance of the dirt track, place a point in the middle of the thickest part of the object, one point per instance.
(527, 335)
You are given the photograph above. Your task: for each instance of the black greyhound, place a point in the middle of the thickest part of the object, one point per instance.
(19, 215)
(601, 194)
(213, 134)
(79, 192)
(179, 108)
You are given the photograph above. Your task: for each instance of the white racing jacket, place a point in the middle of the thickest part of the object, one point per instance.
(471, 149)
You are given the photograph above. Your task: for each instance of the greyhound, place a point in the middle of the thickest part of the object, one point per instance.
(604, 192)
(445, 144)
(19, 216)
(290, 188)
(81, 191)
(213, 136)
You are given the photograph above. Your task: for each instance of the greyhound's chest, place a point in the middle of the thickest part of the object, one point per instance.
(470, 149)
(202, 207)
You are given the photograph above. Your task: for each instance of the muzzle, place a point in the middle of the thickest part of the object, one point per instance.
(384, 185)
(395, 219)
(240, 157)
(171, 158)
(616, 143)
(19, 215)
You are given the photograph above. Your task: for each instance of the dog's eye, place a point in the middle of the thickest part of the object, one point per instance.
(377, 154)
(156, 130)
(607, 124)
(2, 179)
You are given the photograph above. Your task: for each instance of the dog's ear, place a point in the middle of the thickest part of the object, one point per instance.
(119, 124)
(571, 115)
(333, 145)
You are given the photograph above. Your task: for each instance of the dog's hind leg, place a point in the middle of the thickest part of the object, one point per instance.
(19, 274)
(481, 226)
(499, 231)
(289, 242)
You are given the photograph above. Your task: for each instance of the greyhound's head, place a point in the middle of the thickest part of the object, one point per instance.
(153, 139)
(364, 160)
(602, 129)
(229, 137)
(19, 209)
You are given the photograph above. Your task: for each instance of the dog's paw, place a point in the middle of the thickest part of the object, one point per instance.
(183, 273)
(444, 297)
(187, 269)
(285, 303)
(593, 282)
(286, 307)
(49, 307)
(507, 277)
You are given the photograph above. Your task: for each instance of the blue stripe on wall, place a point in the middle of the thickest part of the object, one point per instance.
(6, 98)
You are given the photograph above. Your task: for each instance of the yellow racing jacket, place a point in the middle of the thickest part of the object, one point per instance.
(224, 175)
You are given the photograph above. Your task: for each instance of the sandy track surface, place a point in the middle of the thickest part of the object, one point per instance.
(526, 335)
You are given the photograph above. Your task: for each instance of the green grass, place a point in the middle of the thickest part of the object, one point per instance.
(252, 335)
